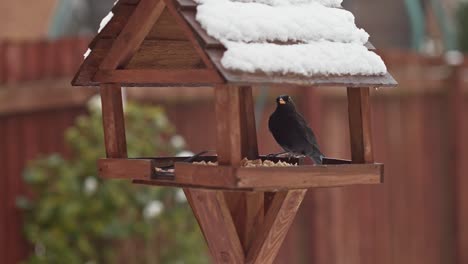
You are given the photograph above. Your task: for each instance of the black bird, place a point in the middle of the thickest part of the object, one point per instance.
(291, 131)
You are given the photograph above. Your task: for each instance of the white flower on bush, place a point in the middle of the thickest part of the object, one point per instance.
(153, 209)
(86, 54)
(454, 57)
(39, 249)
(90, 185)
(94, 103)
(180, 196)
(177, 141)
(161, 121)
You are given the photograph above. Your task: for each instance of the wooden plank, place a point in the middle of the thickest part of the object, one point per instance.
(33, 69)
(243, 78)
(89, 67)
(272, 178)
(113, 164)
(210, 176)
(217, 225)
(166, 28)
(165, 54)
(126, 168)
(235, 120)
(308, 176)
(155, 78)
(3, 63)
(253, 213)
(248, 125)
(456, 142)
(278, 219)
(254, 179)
(113, 120)
(189, 33)
(4, 186)
(122, 13)
(15, 244)
(129, 40)
(14, 61)
(360, 125)
(41, 95)
(171, 183)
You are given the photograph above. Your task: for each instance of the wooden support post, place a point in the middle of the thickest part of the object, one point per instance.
(237, 139)
(360, 125)
(113, 120)
(361, 152)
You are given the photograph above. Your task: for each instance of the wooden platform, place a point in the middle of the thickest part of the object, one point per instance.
(189, 175)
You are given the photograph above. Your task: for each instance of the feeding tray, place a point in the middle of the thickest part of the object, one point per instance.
(272, 178)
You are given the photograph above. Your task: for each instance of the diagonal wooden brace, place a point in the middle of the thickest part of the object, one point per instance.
(129, 40)
(213, 216)
(270, 235)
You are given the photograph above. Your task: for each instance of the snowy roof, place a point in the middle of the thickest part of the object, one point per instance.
(273, 42)
(314, 39)
(254, 22)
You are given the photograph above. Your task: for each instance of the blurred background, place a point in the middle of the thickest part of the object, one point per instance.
(54, 209)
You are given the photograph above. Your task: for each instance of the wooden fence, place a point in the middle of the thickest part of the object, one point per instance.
(37, 104)
(416, 216)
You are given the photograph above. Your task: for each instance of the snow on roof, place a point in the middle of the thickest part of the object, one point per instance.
(86, 54)
(105, 20)
(254, 22)
(315, 58)
(310, 37)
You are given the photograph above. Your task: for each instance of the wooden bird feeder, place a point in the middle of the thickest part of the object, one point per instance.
(244, 213)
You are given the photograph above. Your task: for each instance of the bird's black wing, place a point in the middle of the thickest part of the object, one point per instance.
(314, 153)
(309, 135)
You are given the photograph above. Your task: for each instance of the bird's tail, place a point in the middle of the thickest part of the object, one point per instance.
(317, 156)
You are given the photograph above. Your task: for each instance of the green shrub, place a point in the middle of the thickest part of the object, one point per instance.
(75, 217)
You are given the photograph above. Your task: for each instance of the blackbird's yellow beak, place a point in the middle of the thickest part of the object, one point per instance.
(281, 101)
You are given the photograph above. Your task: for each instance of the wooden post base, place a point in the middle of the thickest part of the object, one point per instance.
(225, 242)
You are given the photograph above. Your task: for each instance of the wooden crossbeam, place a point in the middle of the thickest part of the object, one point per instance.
(129, 40)
(360, 125)
(271, 233)
(158, 77)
